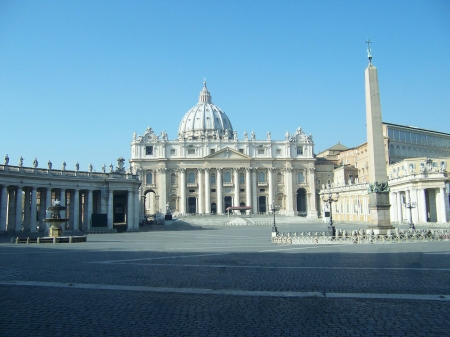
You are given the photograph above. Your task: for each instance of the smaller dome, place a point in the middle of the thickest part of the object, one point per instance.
(205, 120)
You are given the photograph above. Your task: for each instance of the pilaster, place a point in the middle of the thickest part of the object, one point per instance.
(219, 191)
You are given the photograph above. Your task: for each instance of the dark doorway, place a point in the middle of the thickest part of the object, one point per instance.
(192, 205)
(262, 204)
(119, 213)
(242, 204)
(301, 202)
(227, 203)
(213, 208)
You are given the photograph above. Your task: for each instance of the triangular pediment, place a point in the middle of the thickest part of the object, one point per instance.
(227, 153)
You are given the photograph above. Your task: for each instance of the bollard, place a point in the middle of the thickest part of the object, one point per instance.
(70, 239)
(28, 240)
(54, 239)
(38, 240)
(17, 240)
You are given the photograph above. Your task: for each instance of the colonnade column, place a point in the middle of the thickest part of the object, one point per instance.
(236, 186)
(26, 209)
(399, 208)
(48, 201)
(393, 208)
(76, 209)
(136, 214)
(33, 226)
(90, 206)
(422, 203)
(130, 210)
(62, 201)
(408, 199)
(289, 193)
(19, 208)
(162, 190)
(219, 191)
(200, 191)
(182, 190)
(415, 211)
(207, 192)
(110, 209)
(312, 208)
(254, 189)
(248, 188)
(442, 215)
(11, 209)
(270, 181)
(3, 208)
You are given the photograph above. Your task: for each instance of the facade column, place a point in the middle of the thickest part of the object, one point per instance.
(130, 212)
(200, 190)
(270, 181)
(408, 199)
(312, 207)
(48, 203)
(415, 211)
(3, 208)
(393, 209)
(18, 209)
(254, 191)
(33, 211)
(162, 190)
(76, 209)
(289, 193)
(219, 191)
(182, 190)
(110, 215)
(236, 186)
(11, 209)
(62, 202)
(248, 188)
(442, 214)
(207, 192)
(26, 209)
(90, 206)
(422, 205)
(399, 207)
(136, 205)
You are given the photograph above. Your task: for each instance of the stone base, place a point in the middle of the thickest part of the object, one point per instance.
(379, 210)
(381, 230)
(55, 232)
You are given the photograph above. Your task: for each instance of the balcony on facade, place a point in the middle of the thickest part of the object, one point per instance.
(263, 184)
(191, 184)
(231, 184)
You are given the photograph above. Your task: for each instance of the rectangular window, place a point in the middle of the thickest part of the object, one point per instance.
(278, 151)
(191, 191)
(191, 151)
(213, 190)
(260, 151)
(390, 133)
(241, 150)
(172, 151)
(241, 190)
(262, 189)
(212, 151)
(300, 150)
(149, 150)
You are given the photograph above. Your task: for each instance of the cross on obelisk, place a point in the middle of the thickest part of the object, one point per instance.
(369, 51)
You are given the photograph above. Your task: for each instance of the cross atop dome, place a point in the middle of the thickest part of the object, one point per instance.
(205, 96)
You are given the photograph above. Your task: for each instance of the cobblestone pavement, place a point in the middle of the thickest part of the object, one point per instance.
(223, 281)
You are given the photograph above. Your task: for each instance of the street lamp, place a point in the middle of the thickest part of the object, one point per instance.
(410, 205)
(330, 201)
(274, 208)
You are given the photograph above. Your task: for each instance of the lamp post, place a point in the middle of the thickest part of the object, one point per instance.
(410, 205)
(274, 208)
(329, 200)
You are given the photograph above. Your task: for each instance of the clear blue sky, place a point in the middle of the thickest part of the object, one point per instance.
(77, 78)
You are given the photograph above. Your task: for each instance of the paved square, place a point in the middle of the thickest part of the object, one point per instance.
(223, 281)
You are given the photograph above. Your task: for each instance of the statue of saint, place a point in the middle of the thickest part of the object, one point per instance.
(63, 166)
(103, 168)
(245, 135)
(90, 167)
(287, 135)
(111, 168)
(49, 165)
(6, 159)
(20, 161)
(35, 162)
(268, 135)
(77, 166)
(253, 135)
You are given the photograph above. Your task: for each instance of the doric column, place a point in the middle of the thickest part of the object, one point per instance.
(442, 207)
(48, 202)
(200, 190)
(207, 192)
(248, 188)
(90, 206)
(19, 209)
(289, 193)
(11, 209)
(236, 186)
(270, 181)
(76, 209)
(62, 202)
(33, 226)
(219, 191)
(393, 209)
(26, 209)
(3, 208)
(130, 212)
(110, 215)
(422, 205)
(312, 208)
(182, 171)
(162, 188)
(254, 191)
(399, 208)
(408, 199)
(136, 205)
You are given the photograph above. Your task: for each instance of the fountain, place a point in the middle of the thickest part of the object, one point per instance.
(55, 221)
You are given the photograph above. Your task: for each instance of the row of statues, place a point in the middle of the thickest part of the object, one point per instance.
(63, 168)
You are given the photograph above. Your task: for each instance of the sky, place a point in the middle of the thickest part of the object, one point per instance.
(77, 78)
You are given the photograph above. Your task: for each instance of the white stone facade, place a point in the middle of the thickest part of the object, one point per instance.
(208, 168)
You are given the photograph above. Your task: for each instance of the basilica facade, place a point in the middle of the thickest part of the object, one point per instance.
(208, 169)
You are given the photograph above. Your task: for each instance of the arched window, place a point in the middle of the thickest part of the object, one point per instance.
(227, 177)
(262, 177)
(149, 179)
(279, 178)
(241, 178)
(213, 178)
(404, 151)
(392, 150)
(191, 178)
(301, 178)
(173, 179)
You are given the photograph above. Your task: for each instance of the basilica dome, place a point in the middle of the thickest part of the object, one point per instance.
(205, 120)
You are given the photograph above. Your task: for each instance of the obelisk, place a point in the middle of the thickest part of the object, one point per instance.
(379, 204)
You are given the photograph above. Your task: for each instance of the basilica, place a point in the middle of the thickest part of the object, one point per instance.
(208, 169)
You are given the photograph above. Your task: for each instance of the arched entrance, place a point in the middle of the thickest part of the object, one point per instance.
(150, 203)
(227, 203)
(301, 202)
